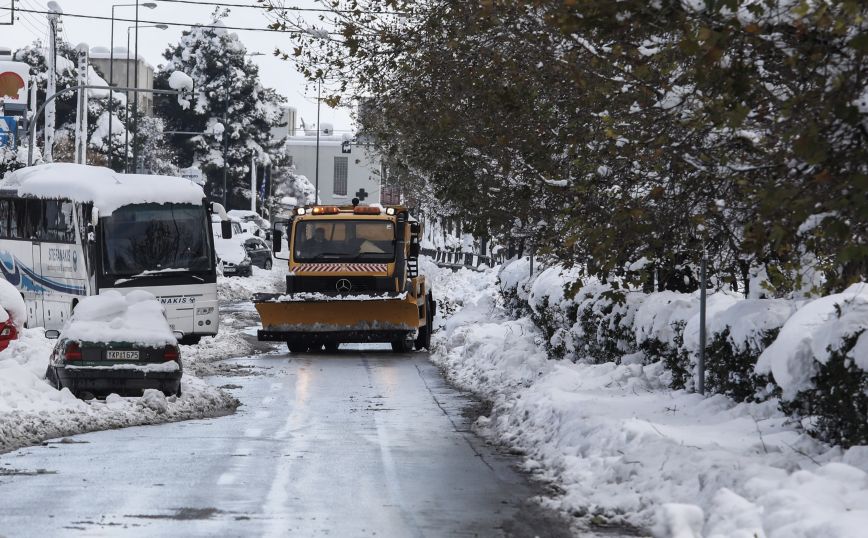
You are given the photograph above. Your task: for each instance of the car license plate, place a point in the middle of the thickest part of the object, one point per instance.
(121, 355)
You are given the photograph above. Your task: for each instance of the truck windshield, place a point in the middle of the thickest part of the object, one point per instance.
(155, 238)
(344, 240)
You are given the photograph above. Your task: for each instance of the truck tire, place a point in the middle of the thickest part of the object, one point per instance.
(296, 348)
(402, 346)
(332, 347)
(423, 339)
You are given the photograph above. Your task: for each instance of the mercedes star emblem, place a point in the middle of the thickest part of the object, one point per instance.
(344, 285)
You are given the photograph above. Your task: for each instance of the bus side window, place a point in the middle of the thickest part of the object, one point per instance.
(17, 210)
(4, 217)
(59, 221)
(33, 219)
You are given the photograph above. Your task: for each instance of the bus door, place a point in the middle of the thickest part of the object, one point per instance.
(35, 314)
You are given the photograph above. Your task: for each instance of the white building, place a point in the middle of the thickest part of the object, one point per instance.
(124, 73)
(346, 170)
(288, 118)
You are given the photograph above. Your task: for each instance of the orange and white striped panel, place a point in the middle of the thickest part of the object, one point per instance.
(341, 268)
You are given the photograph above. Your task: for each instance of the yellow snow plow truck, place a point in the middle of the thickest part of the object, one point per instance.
(353, 277)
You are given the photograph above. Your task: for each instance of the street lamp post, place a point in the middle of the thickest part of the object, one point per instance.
(111, 82)
(318, 129)
(127, 106)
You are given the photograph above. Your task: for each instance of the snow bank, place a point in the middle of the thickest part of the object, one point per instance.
(107, 189)
(136, 317)
(622, 446)
(31, 410)
(794, 357)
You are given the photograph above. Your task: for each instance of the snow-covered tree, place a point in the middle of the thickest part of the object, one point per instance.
(65, 105)
(230, 104)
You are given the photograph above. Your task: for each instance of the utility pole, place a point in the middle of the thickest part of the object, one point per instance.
(136, 93)
(81, 110)
(53, 22)
(702, 300)
(225, 161)
(253, 182)
(34, 84)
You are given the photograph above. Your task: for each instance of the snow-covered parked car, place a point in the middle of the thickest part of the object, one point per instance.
(116, 343)
(231, 253)
(233, 257)
(13, 313)
(259, 253)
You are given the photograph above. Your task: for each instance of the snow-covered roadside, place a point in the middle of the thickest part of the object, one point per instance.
(625, 447)
(31, 410)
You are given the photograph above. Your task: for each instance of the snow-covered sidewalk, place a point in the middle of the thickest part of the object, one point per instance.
(624, 447)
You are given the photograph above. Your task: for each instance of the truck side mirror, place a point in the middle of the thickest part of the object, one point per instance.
(226, 229)
(276, 240)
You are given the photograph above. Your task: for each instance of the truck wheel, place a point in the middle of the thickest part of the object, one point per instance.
(402, 346)
(332, 347)
(423, 340)
(296, 348)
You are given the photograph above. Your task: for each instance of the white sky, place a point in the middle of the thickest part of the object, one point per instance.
(274, 73)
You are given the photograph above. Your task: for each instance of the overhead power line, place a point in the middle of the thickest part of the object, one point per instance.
(169, 23)
(283, 8)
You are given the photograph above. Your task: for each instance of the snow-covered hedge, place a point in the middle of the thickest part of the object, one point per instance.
(811, 355)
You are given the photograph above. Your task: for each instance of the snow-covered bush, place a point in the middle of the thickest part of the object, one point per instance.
(551, 310)
(513, 280)
(738, 335)
(603, 328)
(658, 328)
(820, 360)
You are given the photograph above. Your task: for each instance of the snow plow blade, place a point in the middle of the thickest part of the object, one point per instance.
(321, 318)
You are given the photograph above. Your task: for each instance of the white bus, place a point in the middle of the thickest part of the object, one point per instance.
(68, 231)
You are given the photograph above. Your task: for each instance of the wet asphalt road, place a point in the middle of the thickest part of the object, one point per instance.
(358, 443)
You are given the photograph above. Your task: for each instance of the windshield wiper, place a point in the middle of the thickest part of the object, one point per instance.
(328, 255)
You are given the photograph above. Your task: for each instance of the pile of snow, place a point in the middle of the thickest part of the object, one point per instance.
(624, 447)
(31, 410)
(238, 289)
(137, 317)
(11, 304)
(107, 189)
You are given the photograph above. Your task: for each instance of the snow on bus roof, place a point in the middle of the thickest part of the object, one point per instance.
(107, 189)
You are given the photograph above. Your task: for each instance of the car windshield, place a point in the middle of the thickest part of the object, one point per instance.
(344, 240)
(155, 238)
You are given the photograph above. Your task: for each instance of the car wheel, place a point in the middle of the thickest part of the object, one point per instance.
(268, 265)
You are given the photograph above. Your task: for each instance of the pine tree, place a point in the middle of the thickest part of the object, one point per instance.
(230, 104)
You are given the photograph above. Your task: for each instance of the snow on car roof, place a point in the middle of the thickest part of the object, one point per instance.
(136, 318)
(107, 189)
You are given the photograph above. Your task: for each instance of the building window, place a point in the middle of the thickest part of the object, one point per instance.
(341, 176)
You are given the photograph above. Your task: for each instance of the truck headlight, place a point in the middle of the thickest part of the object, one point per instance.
(204, 310)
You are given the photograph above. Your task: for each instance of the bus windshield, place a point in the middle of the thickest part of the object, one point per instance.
(155, 238)
(344, 240)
